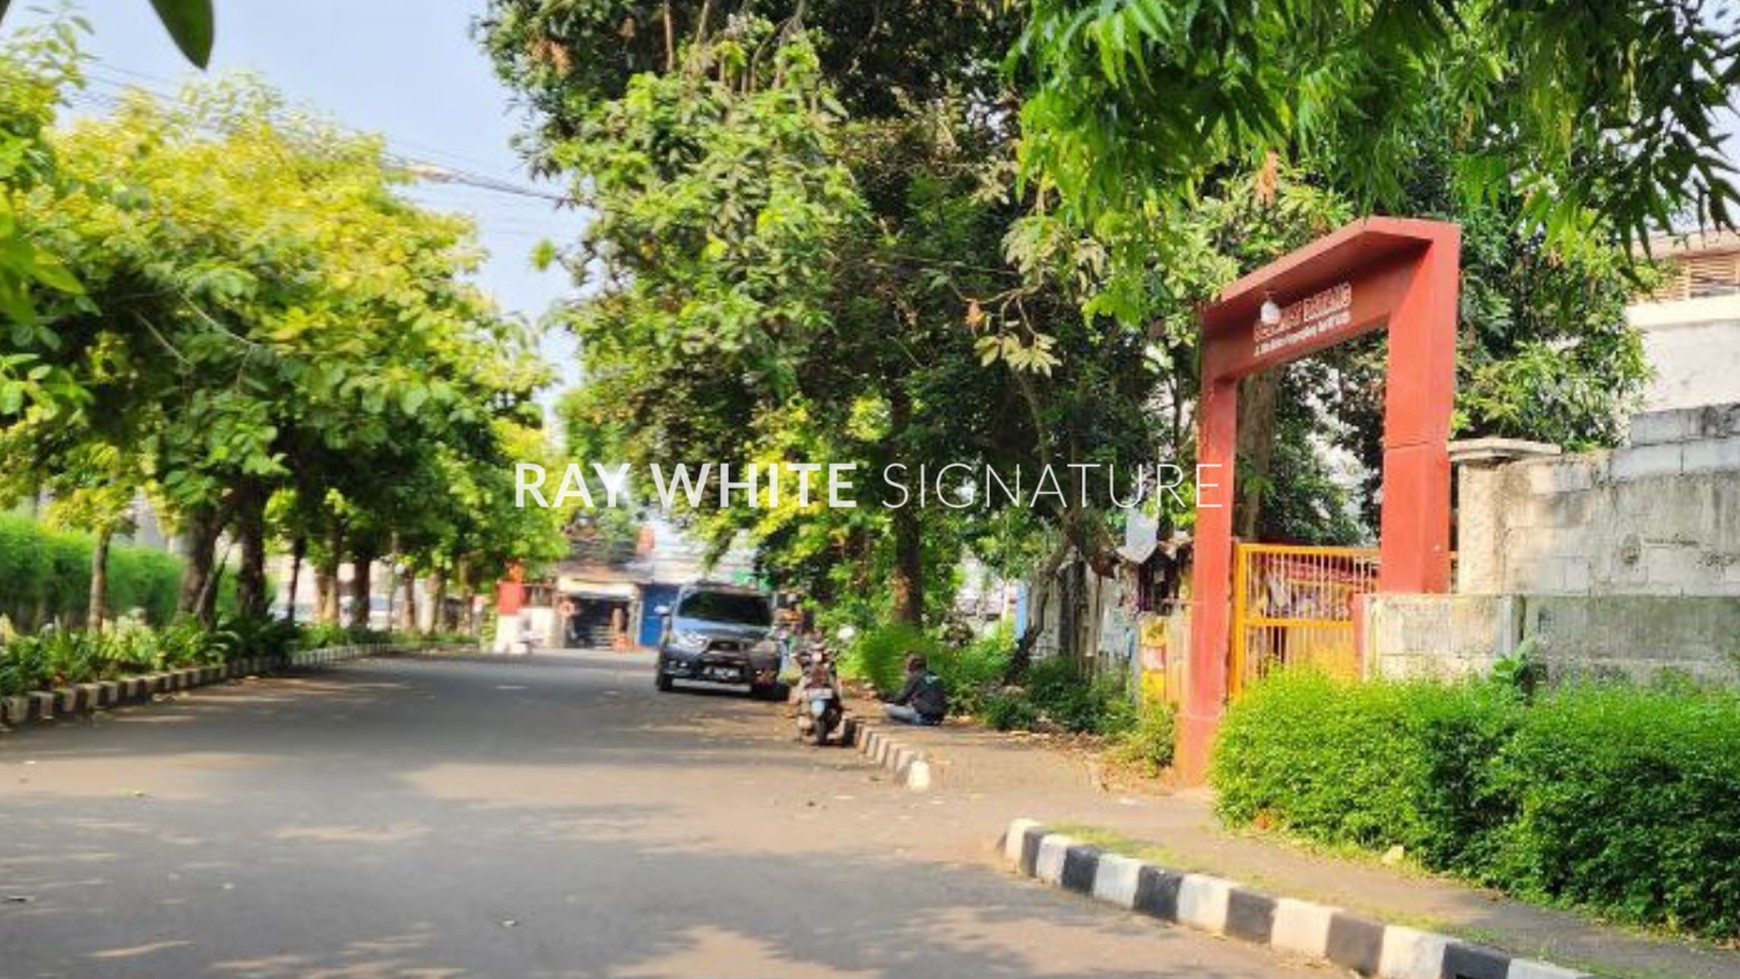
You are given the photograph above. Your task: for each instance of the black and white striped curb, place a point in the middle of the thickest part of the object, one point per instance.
(909, 765)
(1223, 907)
(44, 706)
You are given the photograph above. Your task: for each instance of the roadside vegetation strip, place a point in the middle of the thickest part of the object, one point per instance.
(1224, 907)
(1607, 797)
(47, 706)
(910, 766)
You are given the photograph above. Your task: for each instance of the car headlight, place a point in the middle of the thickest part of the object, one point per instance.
(689, 641)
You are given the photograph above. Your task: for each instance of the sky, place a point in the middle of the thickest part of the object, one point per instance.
(405, 69)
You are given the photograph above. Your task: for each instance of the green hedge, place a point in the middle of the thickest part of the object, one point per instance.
(1618, 799)
(46, 575)
(1628, 800)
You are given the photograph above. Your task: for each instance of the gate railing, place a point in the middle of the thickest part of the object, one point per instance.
(1293, 605)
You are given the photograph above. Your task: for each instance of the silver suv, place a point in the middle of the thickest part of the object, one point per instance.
(720, 634)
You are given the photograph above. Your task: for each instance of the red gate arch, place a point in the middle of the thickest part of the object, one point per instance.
(1396, 273)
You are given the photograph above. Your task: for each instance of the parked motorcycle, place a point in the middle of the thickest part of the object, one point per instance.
(821, 706)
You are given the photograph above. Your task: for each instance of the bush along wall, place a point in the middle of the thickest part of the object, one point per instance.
(45, 576)
(1620, 800)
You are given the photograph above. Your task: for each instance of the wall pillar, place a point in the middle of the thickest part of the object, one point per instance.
(1480, 508)
(1211, 592)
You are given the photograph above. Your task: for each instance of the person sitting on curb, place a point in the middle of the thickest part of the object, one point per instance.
(923, 700)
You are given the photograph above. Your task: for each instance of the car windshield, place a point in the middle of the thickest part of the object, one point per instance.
(716, 606)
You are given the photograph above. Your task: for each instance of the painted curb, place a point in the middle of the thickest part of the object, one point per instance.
(1224, 907)
(47, 706)
(909, 765)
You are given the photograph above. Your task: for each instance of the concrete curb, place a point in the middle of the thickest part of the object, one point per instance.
(909, 765)
(1224, 907)
(47, 706)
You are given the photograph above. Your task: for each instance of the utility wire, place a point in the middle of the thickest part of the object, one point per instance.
(417, 165)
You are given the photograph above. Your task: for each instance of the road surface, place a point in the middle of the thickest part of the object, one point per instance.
(538, 818)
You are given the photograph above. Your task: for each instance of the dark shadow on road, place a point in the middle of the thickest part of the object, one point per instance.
(419, 818)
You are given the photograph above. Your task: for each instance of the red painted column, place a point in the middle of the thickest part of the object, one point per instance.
(1420, 395)
(1211, 595)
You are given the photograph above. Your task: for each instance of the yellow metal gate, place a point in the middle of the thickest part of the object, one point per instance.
(1294, 605)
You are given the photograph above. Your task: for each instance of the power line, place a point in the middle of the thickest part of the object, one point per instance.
(419, 166)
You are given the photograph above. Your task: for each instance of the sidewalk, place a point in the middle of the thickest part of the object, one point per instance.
(985, 778)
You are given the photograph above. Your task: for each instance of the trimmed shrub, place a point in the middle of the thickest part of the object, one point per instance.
(45, 575)
(1332, 762)
(1619, 799)
(1371, 764)
(25, 566)
(1627, 801)
(144, 578)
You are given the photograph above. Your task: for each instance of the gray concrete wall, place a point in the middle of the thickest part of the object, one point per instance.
(1445, 636)
(1633, 636)
(1659, 516)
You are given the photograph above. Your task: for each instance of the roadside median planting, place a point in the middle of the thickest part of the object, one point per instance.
(56, 660)
(1620, 800)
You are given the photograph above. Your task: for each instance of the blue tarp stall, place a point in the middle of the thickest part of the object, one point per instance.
(652, 624)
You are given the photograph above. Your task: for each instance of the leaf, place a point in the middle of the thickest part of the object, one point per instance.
(413, 398)
(544, 255)
(190, 23)
(51, 273)
(989, 349)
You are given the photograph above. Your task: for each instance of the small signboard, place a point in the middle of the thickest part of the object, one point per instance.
(1305, 320)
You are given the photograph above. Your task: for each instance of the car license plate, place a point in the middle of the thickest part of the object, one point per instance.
(722, 673)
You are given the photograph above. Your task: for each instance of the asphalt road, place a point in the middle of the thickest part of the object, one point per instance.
(550, 816)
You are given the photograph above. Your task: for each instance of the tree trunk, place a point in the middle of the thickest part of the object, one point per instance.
(198, 593)
(99, 580)
(1258, 395)
(408, 613)
(362, 562)
(325, 593)
(326, 576)
(439, 621)
(907, 585)
(252, 602)
(298, 550)
(1022, 659)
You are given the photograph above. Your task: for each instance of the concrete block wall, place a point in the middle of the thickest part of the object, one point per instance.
(1444, 636)
(1606, 636)
(1659, 516)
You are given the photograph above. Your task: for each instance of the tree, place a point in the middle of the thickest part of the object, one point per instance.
(800, 247)
(35, 286)
(838, 230)
(260, 314)
(1594, 114)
